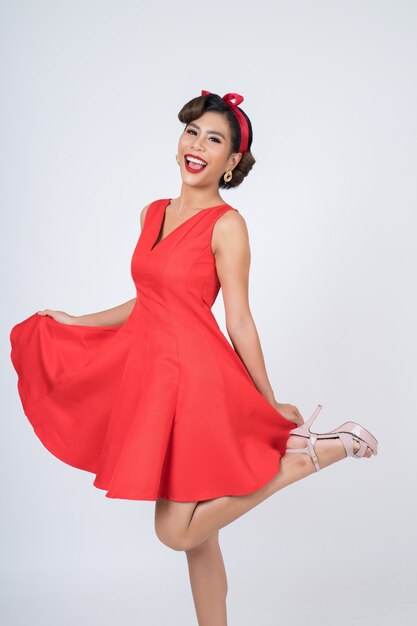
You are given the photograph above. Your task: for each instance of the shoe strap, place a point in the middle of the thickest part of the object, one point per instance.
(361, 452)
(347, 440)
(311, 441)
(309, 449)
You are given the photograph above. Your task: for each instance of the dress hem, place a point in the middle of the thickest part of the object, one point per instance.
(152, 497)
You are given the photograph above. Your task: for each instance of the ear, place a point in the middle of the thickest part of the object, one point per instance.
(234, 159)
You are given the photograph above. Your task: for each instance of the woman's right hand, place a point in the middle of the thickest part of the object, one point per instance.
(59, 316)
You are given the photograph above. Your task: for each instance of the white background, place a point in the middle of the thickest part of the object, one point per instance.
(89, 130)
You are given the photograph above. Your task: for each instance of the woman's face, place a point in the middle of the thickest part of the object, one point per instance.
(208, 139)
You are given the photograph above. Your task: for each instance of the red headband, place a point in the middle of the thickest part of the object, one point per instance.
(232, 100)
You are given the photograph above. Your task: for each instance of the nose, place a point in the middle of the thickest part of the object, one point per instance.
(197, 143)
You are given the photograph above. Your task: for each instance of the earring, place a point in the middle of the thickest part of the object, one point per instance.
(177, 159)
(228, 176)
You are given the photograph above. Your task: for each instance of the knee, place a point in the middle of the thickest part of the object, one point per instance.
(174, 543)
(170, 539)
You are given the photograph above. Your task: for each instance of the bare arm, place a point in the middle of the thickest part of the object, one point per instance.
(116, 316)
(232, 253)
(230, 245)
(110, 317)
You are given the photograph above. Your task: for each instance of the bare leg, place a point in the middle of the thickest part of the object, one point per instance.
(208, 581)
(185, 525)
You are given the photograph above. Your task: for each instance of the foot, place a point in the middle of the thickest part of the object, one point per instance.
(327, 450)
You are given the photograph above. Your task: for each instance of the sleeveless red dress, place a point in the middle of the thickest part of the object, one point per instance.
(161, 406)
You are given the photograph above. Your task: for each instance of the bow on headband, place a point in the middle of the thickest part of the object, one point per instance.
(233, 100)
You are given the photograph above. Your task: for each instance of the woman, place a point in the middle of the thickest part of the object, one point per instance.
(151, 397)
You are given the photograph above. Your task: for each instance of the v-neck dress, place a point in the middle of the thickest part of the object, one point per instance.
(161, 406)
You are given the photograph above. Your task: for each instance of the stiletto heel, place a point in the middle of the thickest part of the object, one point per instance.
(347, 432)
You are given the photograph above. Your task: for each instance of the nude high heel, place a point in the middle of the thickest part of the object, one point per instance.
(347, 433)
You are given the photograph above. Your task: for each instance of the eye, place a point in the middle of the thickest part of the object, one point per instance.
(192, 131)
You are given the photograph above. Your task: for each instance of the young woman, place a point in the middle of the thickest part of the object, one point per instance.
(151, 397)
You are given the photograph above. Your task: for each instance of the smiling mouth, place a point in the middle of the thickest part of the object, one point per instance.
(194, 165)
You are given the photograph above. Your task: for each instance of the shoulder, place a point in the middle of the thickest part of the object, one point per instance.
(231, 222)
(229, 230)
(144, 212)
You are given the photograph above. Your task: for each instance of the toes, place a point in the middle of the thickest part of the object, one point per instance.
(356, 447)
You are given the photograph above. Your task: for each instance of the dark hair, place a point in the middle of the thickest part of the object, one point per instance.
(213, 102)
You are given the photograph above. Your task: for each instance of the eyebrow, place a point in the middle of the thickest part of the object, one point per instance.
(211, 132)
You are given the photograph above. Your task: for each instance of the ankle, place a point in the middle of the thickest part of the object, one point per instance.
(327, 451)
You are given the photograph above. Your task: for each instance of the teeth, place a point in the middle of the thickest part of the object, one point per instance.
(189, 158)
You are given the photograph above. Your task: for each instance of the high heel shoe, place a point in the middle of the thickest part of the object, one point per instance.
(347, 433)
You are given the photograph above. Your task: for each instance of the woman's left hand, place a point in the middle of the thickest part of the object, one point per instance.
(290, 412)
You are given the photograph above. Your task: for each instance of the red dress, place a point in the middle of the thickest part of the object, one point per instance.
(161, 406)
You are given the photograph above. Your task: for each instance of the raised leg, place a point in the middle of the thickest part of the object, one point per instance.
(185, 525)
